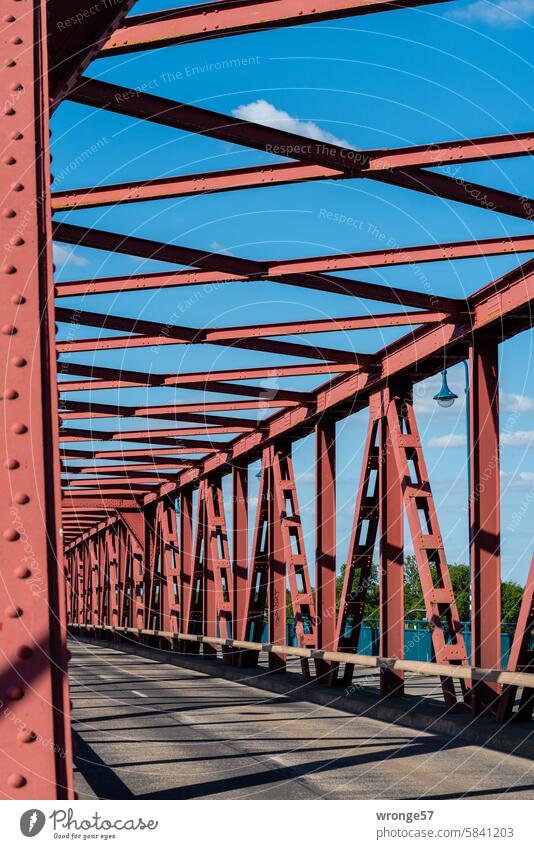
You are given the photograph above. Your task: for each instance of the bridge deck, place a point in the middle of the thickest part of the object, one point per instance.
(146, 729)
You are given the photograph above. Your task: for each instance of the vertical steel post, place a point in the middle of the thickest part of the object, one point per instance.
(240, 548)
(186, 559)
(325, 539)
(391, 556)
(34, 690)
(485, 517)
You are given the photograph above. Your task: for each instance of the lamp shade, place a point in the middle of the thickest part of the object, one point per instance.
(445, 397)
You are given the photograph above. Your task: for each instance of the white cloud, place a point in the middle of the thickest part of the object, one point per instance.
(518, 438)
(68, 256)
(448, 440)
(520, 480)
(512, 439)
(217, 248)
(503, 13)
(516, 403)
(263, 112)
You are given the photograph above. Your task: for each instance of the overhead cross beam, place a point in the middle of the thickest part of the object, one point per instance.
(457, 152)
(504, 306)
(148, 107)
(219, 20)
(152, 333)
(117, 378)
(303, 272)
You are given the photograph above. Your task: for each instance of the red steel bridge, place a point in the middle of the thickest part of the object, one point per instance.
(129, 549)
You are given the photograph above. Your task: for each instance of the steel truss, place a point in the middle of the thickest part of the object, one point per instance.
(145, 549)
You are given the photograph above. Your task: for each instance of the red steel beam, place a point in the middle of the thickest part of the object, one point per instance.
(75, 35)
(192, 379)
(130, 480)
(111, 378)
(229, 335)
(283, 173)
(116, 492)
(484, 504)
(240, 531)
(504, 305)
(131, 454)
(35, 733)
(156, 437)
(104, 240)
(135, 467)
(134, 103)
(415, 254)
(304, 272)
(222, 19)
(322, 282)
(87, 410)
(325, 537)
(215, 424)
(138, 104)
(391, 566)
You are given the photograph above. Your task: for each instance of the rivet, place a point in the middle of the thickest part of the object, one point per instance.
(26, 736)
(10, 63)
(16, 135)
(13, 612)
(11, 464)
(10, 394)
(8, 329)
(16, 40)
(14, 693)
(22, 572)
(7, 268)
(18, 299)
(16, 87)
(17, 187)
(9, 213)
(9, 111)
(11, 535)
(25, 652)
(16, 241)
(19, 427)
(18, 361)
(21, 498)
(9, 160)
(16, 779)
(9, 19)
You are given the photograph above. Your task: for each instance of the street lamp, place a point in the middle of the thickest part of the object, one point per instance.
(445, 397)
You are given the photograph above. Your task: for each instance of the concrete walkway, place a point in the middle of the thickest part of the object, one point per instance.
(150, 730)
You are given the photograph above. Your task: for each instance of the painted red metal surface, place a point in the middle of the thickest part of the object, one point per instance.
(220, 19)
(258, 176)
(35, 737)
(138, 104)
(520, 659)
(484, 512)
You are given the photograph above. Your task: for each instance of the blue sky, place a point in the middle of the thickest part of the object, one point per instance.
(442, 72)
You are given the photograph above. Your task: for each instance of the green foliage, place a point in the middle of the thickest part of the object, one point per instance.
(511, 592)
(511, 595)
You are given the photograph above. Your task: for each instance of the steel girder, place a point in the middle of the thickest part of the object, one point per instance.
(35, 731)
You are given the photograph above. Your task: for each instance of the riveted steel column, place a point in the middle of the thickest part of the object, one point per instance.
(240, 548)
(186, 559)
(34, 700)
(391, 555)
(325, 538)
(485, 517)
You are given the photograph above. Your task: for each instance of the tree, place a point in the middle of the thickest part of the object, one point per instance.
(511, 595)
(414, 606)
